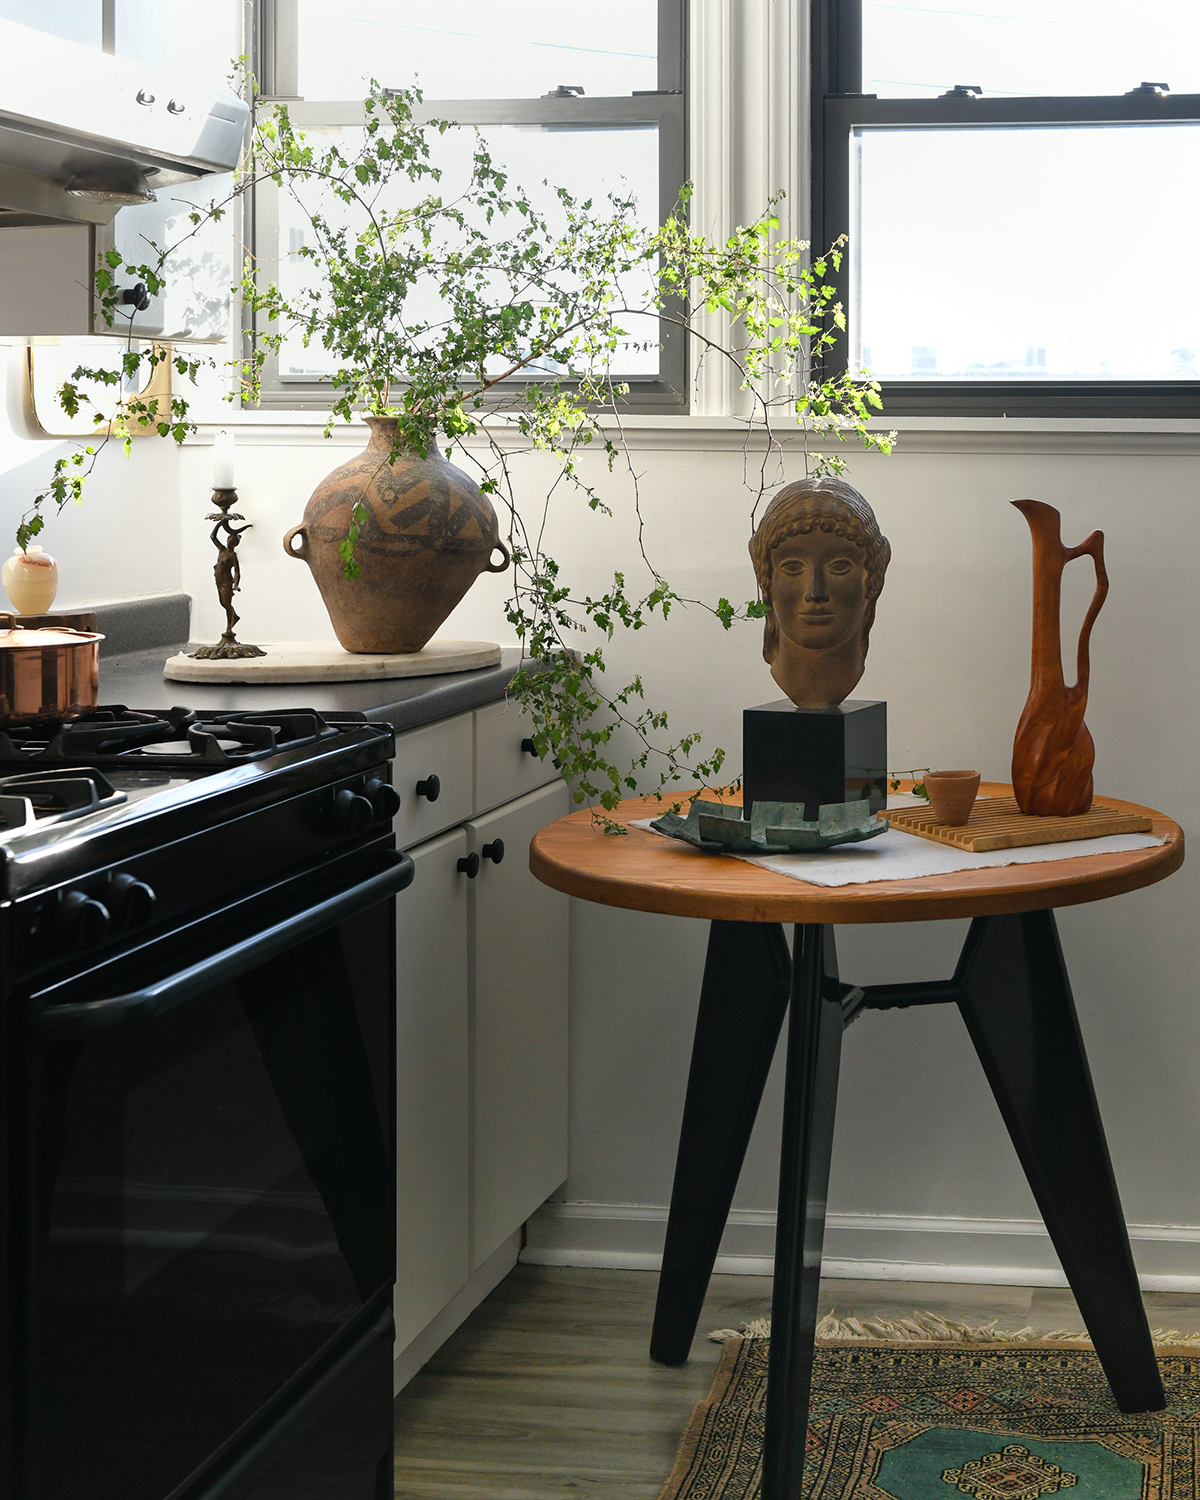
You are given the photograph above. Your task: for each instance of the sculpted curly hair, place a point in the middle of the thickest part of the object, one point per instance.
(830, 505)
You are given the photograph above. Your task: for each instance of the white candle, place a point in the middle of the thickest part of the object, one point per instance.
(222, 477)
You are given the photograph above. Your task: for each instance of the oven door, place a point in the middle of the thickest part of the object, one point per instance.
(211, 1193)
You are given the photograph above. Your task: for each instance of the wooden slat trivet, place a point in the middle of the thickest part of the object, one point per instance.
(998, 823)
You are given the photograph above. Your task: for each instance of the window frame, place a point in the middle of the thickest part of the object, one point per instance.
(275, 54)
(838, 107)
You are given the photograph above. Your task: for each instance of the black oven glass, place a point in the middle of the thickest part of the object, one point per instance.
(213, 1205)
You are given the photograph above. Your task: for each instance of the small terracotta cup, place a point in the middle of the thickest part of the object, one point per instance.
(952, 795)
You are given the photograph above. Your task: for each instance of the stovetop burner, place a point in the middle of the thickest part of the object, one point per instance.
(54, 793)
(177, 736)
(230, 737)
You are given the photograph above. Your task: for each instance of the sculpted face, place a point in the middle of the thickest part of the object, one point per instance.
(820, 562)
(819, 589)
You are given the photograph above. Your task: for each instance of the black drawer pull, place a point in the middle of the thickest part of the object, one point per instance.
(530, 748)
(430, 788)
(494, 851)
(469, 866)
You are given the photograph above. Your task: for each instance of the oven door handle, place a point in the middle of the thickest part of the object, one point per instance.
(75, 1020)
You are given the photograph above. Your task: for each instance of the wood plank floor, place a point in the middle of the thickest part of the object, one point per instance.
(547, 1391)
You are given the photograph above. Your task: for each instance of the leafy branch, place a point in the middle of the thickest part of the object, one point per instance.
(482, 319)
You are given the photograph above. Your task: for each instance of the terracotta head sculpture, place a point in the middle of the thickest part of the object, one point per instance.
(820, 561)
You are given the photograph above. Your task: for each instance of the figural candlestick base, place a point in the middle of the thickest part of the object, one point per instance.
(228, 572)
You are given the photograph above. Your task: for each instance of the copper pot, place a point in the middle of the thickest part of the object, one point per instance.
(48, 673)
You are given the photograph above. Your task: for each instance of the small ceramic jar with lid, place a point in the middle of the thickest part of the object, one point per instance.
(30, 580)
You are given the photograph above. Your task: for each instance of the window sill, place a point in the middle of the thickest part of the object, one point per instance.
(701, 434)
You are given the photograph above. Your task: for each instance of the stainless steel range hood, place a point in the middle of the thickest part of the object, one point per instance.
(83, 133)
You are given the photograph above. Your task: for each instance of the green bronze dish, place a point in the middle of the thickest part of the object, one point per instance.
(775, 828)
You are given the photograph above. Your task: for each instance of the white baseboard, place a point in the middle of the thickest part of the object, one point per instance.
(873, 1247)
(420, 1350)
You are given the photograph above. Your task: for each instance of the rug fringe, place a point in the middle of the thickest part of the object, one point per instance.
(930, 1327)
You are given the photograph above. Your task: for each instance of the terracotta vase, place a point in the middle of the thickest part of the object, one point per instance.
(429, 534)
(1053, 752)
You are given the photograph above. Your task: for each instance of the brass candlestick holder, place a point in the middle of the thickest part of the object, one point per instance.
(228, 572)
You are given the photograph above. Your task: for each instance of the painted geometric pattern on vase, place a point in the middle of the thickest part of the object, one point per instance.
(425, 507)
(1012, 1474)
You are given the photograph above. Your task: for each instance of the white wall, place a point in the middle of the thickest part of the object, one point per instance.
(924, 1181)
(919, 1143)
(923, 1176)
(122, 541)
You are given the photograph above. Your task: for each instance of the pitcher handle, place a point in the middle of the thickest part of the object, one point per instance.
(490, 566)
(1093, 546)
(302, 552)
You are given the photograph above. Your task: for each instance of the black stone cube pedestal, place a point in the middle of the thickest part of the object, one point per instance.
(815, 755)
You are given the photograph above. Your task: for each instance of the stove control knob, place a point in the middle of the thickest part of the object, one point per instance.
(384, 798)
(82, 921)
(351, 814)
(132, 901)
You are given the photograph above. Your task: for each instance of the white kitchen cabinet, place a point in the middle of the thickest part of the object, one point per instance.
(518, 984)
(505, 766)
(481, 1021)
(434, 772)
(432, 1102)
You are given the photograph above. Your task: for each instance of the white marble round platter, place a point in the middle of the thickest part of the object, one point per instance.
(326, 661)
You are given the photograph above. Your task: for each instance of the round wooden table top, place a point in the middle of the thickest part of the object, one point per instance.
(646, 872)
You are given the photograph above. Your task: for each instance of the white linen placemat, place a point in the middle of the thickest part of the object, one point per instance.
(902, 856)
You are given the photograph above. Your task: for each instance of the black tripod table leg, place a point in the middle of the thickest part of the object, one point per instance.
(1016, 1000)
(814, 1055)
(742, 1003)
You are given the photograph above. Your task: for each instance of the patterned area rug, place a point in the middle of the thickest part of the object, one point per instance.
(941, 1419)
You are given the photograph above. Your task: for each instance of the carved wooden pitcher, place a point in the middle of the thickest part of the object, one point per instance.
(1053, 752)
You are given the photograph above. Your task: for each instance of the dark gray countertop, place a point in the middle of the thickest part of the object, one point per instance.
(135, 679)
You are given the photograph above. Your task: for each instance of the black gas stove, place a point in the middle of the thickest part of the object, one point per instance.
(196, 1183)
(189, 809)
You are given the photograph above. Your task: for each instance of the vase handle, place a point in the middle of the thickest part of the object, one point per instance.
(300, 553)
(490, 566)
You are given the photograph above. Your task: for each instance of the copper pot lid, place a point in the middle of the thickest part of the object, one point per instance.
(45, 635)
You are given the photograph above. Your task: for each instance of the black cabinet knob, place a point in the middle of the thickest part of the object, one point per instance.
(529, 748)
(136, 296)
(494, 851)
(384, 798)
(351, 814)
(131, 900)
(82, 921)
(430, 788)
(469, 866)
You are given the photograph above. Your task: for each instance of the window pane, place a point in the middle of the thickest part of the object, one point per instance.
(1026, 253)
(1038, 47)
(167, 37)
(73, 20)
(477, 49)
(590, 161)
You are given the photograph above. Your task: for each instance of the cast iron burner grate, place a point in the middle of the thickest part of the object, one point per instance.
(54, 794)
(105, 731)
(234, 737)
(175, 733)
